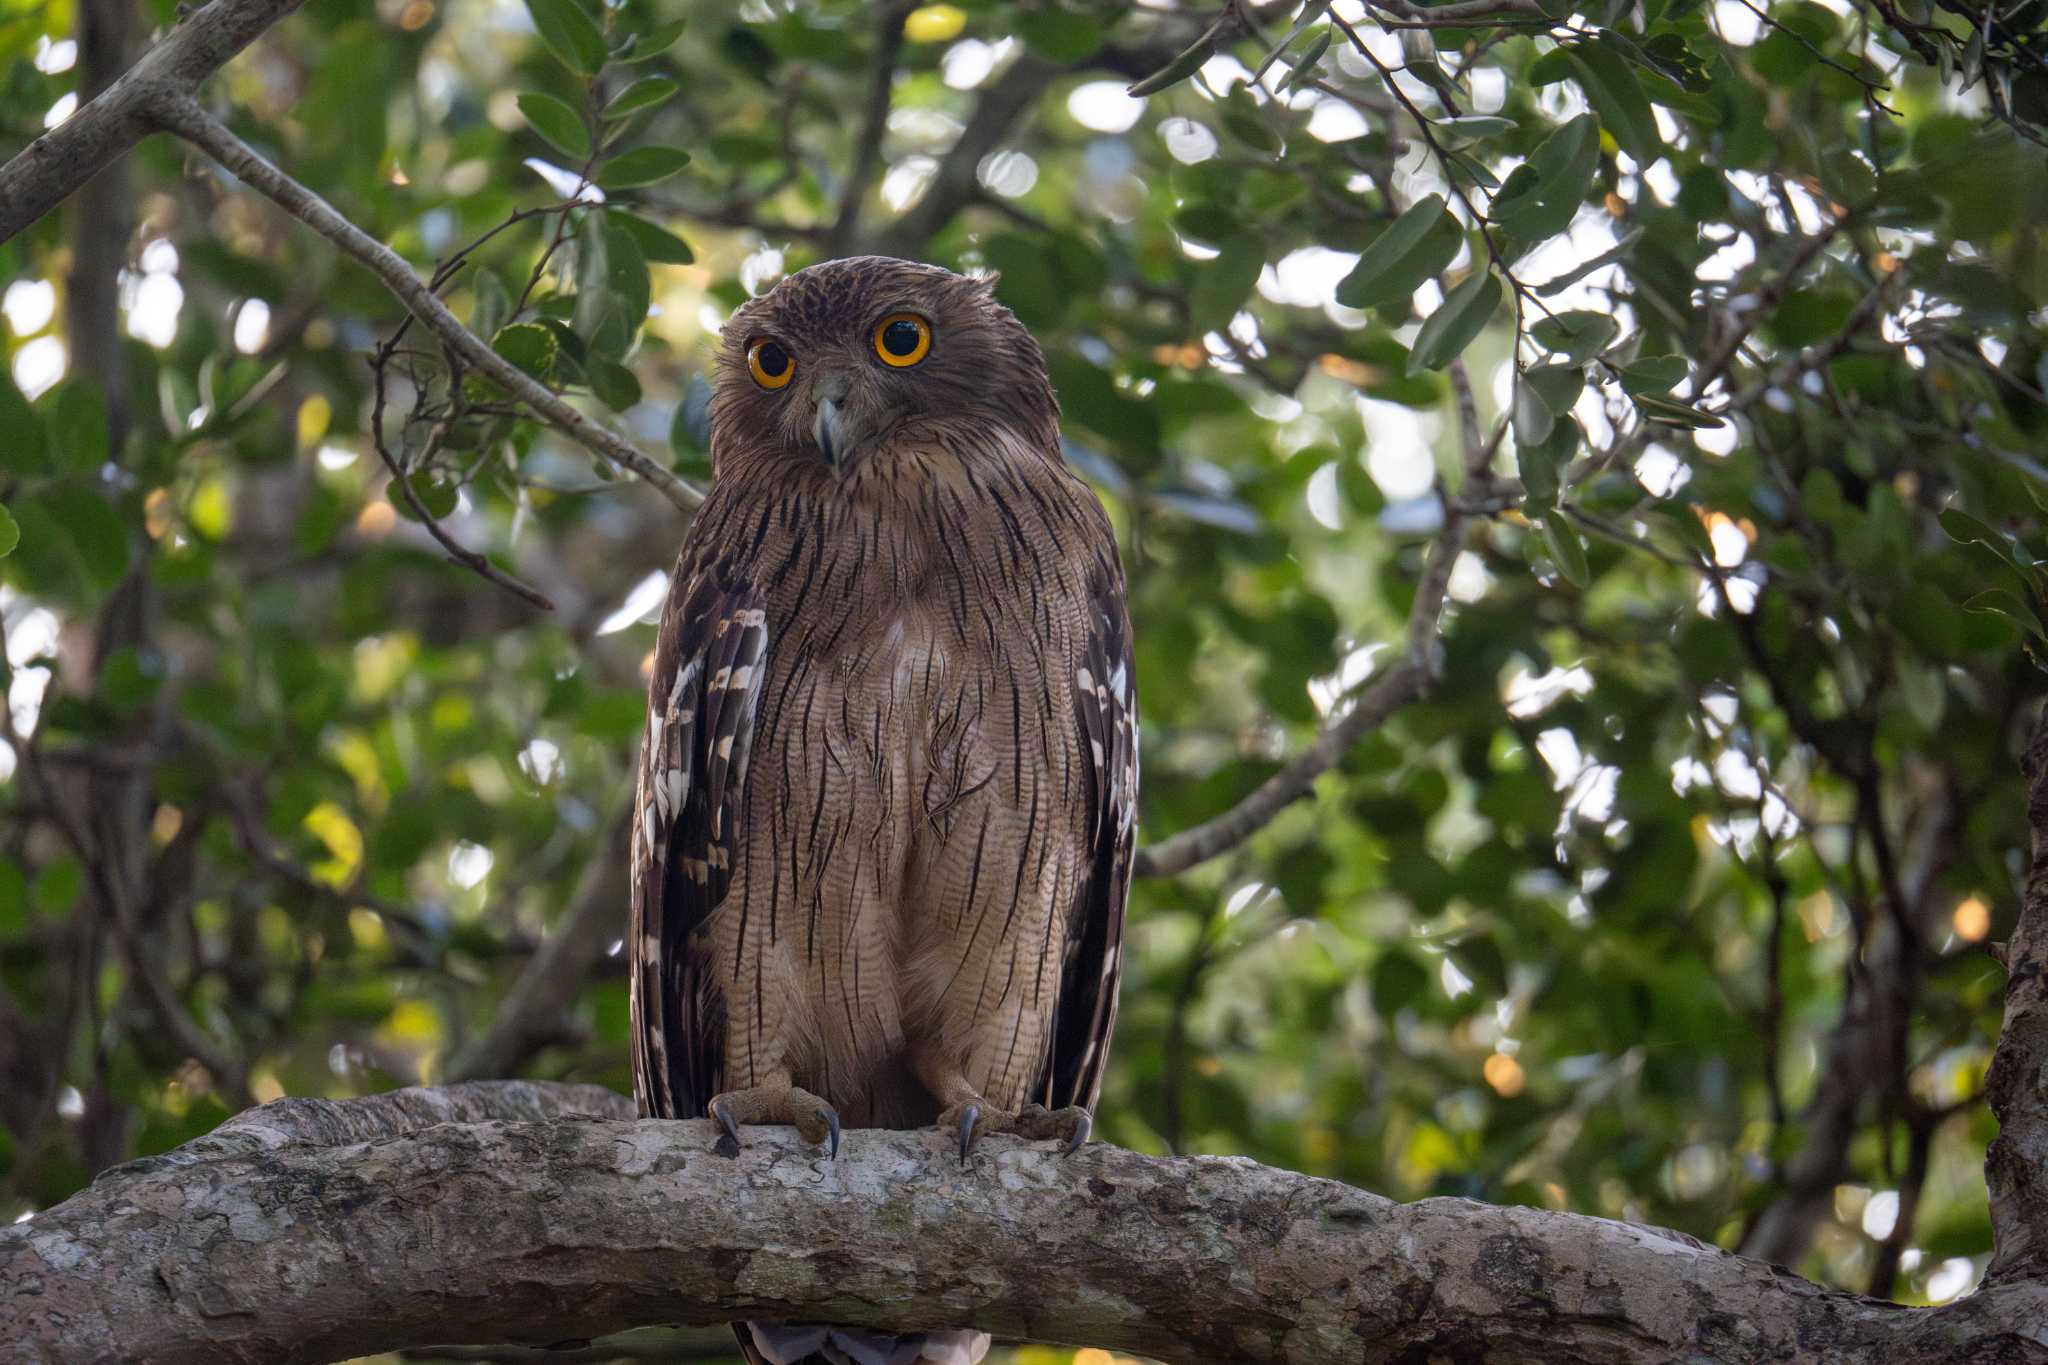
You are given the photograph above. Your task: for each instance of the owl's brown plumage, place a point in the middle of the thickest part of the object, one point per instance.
(888, 787)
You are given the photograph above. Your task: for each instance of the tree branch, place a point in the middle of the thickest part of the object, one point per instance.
(2016, 1166)
(531, 1014)
(312, 1230)
(157, 93)
(50, 169)
(1408, 680)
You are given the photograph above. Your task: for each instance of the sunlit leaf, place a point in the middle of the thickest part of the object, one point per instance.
(558, 123)
(569, 33)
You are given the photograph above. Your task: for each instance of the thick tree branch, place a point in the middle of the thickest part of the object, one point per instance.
(2016, 1166)
(313, 1230)
(50, 169)
(158, 92)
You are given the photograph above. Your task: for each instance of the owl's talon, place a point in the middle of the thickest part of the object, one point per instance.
(1084, 1124)
(831, 1117)
(815, 1120)
(967, 1119)
(732, 1129)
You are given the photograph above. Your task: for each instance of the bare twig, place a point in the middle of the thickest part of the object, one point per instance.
(867, 144)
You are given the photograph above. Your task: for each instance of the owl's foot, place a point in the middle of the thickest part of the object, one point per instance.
(973, 1119)
(815, 1120)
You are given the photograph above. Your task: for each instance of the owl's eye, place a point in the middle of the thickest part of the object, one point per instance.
(770, 364)
(902, 339)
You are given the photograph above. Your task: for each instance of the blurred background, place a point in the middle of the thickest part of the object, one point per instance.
(1670, 902)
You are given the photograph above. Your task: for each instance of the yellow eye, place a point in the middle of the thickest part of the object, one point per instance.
(902, 339)
(770, 365)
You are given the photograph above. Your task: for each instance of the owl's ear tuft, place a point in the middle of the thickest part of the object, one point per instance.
(987, 280)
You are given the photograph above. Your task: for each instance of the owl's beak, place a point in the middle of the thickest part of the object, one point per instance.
(828, 432)
(829, 427)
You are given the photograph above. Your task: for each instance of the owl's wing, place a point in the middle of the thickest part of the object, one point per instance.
(1106, 709)
(709, 660)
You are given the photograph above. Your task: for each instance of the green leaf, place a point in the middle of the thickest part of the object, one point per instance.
(1965, 529)
(612, 287)
(10, 532)
(641, 94)
(21, 433)
(1397, 981)
(1242, 119)
(656, 242)
(92, 528)
(653, 42)
(1449, 330)
(615, 385)
(1207, 222)
(1302, 68)
(1221, 285)
(558, 123)
(1653, 374)
(1567, 551)
(1612, 89)
(1674, 413)
(1415, 247)
(1533, 417)
(1542, 396)
(1058, 35)
(530, 346)
(1539, 463)
(1174, 72)
(1474, 127)
(1578, 335)
(642, 166)
(1540, 197)
(491, 306)
(570, 34)
(437, 493)
(2000, 602)
(78, 426)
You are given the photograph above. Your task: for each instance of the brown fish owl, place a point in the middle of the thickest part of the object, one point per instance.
(888, 788)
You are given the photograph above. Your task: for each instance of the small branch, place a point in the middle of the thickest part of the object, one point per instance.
(957, 182)
(1408, 680)
(867, 146)
(184, 117)
(531, 1014)
(315, 1230)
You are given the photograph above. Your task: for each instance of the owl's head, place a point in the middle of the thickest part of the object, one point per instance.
(838, 359)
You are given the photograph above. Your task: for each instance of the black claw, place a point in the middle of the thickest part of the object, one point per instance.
(967, 1121)
(1083, 1126)
(729, 1145)
(831, 1117)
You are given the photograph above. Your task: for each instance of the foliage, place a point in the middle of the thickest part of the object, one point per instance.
(1716, 794)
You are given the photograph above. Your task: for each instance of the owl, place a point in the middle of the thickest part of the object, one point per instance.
(887, 792)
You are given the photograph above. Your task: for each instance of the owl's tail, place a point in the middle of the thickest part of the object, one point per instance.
(817, 1343)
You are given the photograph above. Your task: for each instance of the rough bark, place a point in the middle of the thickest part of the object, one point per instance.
(53, 167)
(315, 1230)
(2016, 1166)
